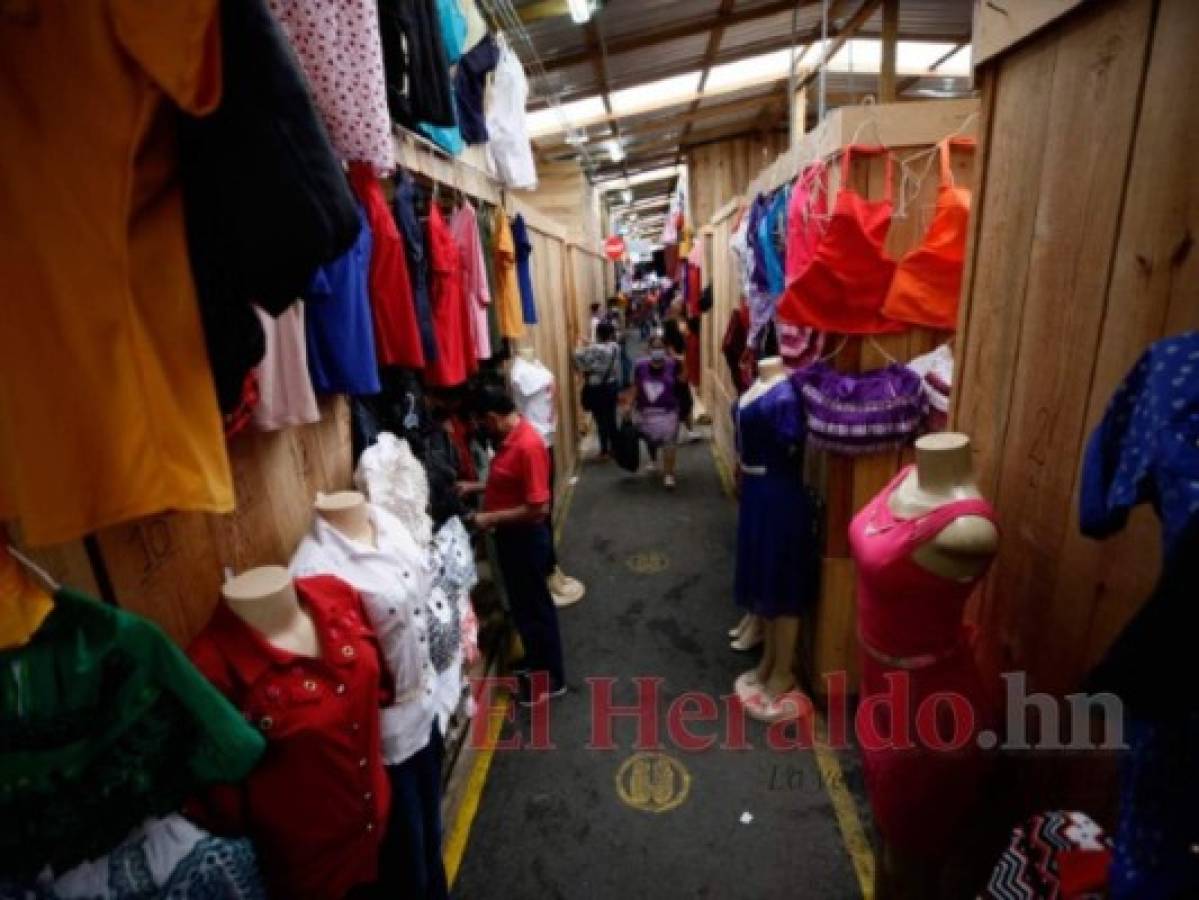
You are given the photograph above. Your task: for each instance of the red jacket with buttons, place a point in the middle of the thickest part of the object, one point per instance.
(316, 806)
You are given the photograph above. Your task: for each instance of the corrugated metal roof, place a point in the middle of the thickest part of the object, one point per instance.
(648, 40)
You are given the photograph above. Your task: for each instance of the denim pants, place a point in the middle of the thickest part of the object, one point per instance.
(410, 858)
(524, 553)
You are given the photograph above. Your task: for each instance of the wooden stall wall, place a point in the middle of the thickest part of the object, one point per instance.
(1082, 256)
(721, 171)
(910, 130)
(169, 567)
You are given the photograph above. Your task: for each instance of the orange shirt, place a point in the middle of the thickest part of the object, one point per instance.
(507, 291)
(107, 410)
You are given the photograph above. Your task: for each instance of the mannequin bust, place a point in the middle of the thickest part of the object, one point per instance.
(944, 473)
(265, 599)
(347, 511)
(770, 372)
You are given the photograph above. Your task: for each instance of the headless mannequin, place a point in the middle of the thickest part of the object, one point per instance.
(775, 670)
(265, 599)
(347, 511)
(944, 473)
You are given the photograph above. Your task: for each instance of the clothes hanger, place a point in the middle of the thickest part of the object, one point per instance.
(840, 346)
(879, 347)
(33, 568)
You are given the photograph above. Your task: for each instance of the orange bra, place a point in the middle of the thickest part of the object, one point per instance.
(843, 287)
(928, 278)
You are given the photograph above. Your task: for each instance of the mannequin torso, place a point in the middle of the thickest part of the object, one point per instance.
(265, 599)
(770, 372)
(943, 474)
(348, 512)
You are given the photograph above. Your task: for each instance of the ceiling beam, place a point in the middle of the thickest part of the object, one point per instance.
(686, 28)
(715, 36)
(890, 48)
(912, 81)
(856, 21)
(595, 40)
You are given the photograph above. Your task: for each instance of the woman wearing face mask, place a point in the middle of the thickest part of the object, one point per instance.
(657, 405)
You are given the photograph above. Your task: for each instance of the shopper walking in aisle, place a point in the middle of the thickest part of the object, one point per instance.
(599, 362)
(516, 503)
(656, 382)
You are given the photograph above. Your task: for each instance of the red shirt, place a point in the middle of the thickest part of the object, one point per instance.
(397, 335)
(316, 806)
(451, 322)
(520, 471)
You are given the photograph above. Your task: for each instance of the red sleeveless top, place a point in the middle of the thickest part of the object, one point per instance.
(844, 286)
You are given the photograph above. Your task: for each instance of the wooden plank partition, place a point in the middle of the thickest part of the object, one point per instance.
(910, 130)
(169, 567)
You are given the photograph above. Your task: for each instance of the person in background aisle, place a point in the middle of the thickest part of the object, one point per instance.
(674, 332)
(656, 403)
(599, 362)
(516, 502)
(595, 320)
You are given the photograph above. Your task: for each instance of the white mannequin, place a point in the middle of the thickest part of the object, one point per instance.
(348, 512)
(944, 473)
(265, 599)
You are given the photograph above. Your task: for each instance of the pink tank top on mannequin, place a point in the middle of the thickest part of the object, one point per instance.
(910, 626)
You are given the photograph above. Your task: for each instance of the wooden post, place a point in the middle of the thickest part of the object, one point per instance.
(886, 75)
(799, 115)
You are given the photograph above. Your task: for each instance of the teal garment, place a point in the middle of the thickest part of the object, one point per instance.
(103, 723)
(453, 29)
(773, 223)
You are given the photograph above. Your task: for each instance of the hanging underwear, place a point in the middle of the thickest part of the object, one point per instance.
(928, 278)
(843, 288)
(807, 216)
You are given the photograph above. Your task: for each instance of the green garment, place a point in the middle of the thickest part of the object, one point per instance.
(488, 241)
(103, 722)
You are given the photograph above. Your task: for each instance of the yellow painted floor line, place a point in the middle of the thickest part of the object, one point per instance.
(853, 834)
(455, 843)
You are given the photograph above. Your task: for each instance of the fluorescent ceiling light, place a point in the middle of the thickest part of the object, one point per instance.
(574, 114)
(627, 195)
(615, 150)
(580, 10)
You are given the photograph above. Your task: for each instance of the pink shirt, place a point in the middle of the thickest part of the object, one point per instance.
(337, 42)
(285, 390)
(464, 224)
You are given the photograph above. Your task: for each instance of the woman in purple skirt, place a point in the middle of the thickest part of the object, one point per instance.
(657, 406)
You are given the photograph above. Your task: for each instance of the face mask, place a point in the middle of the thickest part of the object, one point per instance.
(657, 356)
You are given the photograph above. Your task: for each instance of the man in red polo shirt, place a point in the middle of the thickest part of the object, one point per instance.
(516, 505)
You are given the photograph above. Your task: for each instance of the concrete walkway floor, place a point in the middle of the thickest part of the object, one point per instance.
(580, 823)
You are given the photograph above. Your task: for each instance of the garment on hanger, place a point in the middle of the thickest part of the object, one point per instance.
(451, 320)
(168, 857)
(396, 330)
(418, 261)
(476, 293)
(338, 45)
(507, 125)
(470, 84)
(317, 805)
(807, 217)
(778, 554)
(910, 623)
(341, 341)
(448, 610)
(476, 25)
(85, 374)
(524, 275)
(733, 346)
(107, 723)
(414, 58)
(533, 391)
(935, 368)
(285, 395)
(265, 199)
(393, 578)
(508, 294)
(928, 278)
(844, 286)
(868, 412)
(1052, 854)
(1146, 449)
(485, 218)
(772, 223)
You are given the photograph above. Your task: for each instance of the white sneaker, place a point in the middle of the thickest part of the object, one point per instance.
(565, 590)
(668, 482)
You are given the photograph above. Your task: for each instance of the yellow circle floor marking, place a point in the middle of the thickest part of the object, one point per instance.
(652, 782)
(647, 563)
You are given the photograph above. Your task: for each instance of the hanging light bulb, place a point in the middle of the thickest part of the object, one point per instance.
(580, 10)
(615, 150)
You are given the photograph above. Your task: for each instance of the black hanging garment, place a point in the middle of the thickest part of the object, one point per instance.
(470, 82)
(415, 63)
(265, 200)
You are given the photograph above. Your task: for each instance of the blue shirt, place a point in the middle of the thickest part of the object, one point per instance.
(1146, 449)
(418, 265)
(524, 249)
(341, 340)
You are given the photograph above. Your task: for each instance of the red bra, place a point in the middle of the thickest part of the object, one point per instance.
(844, 286)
